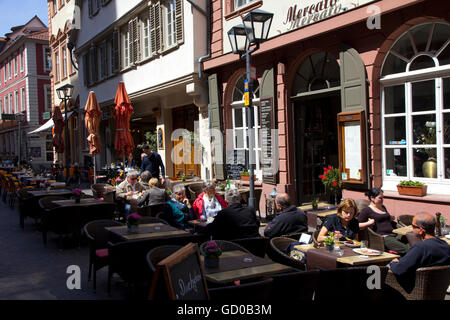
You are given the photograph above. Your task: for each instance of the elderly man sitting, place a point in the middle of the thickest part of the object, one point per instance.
(234, 222)
(127, 189)
(290, 220)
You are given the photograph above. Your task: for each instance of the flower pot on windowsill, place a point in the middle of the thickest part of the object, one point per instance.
(246, 177)
(418, 191)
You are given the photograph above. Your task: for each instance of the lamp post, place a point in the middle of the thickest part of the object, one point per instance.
(64, 94)
(19, 119)
(254, 31)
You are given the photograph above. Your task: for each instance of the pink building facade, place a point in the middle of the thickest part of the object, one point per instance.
(25, 89)
(361, 87)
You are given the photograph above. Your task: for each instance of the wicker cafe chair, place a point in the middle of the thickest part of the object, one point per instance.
(352, 282)
(315, 235)
(157, 254)
(97, 237)
(276, 252)
(224, 246)
(294, 286)
(404, 220)
(147, 220)
(151, 210)
(431, 283)
(256, 245)
(252, 291)
(376, 241)
(62, 221)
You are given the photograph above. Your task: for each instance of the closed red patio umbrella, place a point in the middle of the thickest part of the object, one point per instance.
(92, 123)
(58, 141)
(123, 142)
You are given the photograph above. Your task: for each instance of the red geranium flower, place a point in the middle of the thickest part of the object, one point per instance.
(330, 168)
(334, 183)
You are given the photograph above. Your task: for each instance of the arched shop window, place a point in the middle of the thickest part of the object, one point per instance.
(317, 72)
(240, 122)
(416, 108)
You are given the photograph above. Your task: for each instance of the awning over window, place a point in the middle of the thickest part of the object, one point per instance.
(48, 125)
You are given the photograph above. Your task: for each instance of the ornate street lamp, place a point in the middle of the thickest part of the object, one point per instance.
(64, 94)
(254, 31)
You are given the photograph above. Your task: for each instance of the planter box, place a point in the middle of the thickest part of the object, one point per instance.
(247, 177)
(412, 191)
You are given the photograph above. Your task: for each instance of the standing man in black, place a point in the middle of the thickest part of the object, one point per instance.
(234, 222)
(290, 220)
(152, 162)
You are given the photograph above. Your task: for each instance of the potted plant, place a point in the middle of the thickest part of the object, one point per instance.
(331, 179)
(133, 221)
(329, 241)
(77, 194)
(245, 176)
(412, 188)
(47, 185)
(212, 253)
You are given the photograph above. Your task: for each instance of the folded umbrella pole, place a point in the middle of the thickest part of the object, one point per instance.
(92, 122)
(123, 142)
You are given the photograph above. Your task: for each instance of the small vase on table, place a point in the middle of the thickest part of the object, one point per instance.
(211, 262)
(77, 199)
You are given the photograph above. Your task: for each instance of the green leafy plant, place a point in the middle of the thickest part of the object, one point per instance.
(329, 240)
(410, 183)
(150, 138)
(245, 173)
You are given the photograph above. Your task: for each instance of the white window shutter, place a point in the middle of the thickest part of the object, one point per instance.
(179, 21)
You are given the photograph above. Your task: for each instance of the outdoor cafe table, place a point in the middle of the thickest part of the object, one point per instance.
(198, 224)
(323, 259)
(404, 230)
(239, 265)
(52, 192)
(84, 202)
(146, 231)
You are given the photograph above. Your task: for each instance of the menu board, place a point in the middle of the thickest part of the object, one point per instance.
(269, 142)
(352, 147)
(184, 275)
(235, 163)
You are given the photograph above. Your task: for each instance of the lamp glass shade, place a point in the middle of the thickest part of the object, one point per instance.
(65, 92)
(238, 39)
(257, 24)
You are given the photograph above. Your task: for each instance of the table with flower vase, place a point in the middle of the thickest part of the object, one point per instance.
(145, 231)
(239, 265)
(84, 202)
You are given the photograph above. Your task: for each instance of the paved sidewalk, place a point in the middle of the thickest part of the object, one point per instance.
(31, 271)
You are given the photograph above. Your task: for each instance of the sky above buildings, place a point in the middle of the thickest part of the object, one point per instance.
(18, 12)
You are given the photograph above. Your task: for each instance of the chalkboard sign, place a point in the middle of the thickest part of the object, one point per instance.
(236, 163)
(184, 275)
(269, 143)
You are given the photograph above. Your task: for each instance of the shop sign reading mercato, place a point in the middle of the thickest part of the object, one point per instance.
(313, 11)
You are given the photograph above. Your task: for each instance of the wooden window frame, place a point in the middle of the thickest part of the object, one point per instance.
(231, 12)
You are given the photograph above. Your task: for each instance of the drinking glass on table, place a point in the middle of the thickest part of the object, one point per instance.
(364, 244)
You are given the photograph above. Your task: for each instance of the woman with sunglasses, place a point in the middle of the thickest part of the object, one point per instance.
(379, 220)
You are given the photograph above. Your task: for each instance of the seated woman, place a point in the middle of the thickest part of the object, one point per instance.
(178, 211)
(378, 218)
(145, 178)
(208, 203)
(153, 195)
(344, 223)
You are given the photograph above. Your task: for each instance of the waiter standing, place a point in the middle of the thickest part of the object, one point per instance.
(152, 162)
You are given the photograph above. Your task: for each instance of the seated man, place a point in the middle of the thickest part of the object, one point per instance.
(126, 189)
(178, 210)
(290, 220)
(145, 178)
(428, 252)
(234, 222)
(153, 195)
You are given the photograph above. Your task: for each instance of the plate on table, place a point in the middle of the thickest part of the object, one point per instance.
(352, 244)
(447, 236)
(367, 252)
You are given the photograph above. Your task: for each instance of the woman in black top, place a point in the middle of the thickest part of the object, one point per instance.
(378, 218)
(343, 223)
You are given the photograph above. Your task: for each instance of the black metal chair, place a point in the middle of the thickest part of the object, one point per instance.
(97, 237)
(256, 245)
(352, 282)
(294, 286)
(277, 254)
(252, 291)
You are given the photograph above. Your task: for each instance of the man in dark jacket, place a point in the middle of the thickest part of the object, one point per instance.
(428, 252)
(235, 221)
(290, 220)
(152, 162)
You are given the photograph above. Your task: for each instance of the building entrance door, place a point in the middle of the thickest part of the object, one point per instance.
(316, 143)
(184, 157)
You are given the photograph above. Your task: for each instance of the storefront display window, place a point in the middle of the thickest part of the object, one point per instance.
(416, 106)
